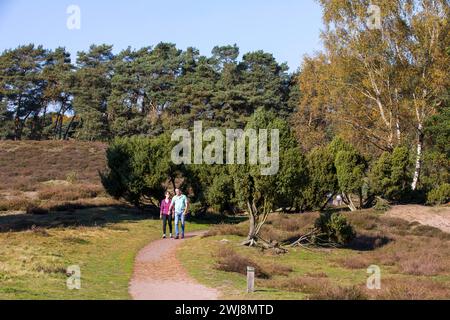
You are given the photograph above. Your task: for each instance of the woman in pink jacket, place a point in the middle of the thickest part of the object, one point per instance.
(165, 214)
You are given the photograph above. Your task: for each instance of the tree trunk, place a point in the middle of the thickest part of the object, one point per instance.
(256, 221)
(68, 127)
(361, 202)
(419, 153)
(349, 202)
(251, 237)
(172, 180)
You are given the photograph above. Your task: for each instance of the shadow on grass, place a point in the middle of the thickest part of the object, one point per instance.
(76, 215)
(80, 217)
(368, 242)
(217, 219)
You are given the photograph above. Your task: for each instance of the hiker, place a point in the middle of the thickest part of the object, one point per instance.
(165, 214)
(180, 204)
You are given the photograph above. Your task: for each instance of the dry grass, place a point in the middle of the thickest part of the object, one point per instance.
(25, 164)
(416, 255)
(14, 204)
(317, 288)
(230, 261)
(41, 176)
(340, 293)
(414, 259)
(227, 229)
(411, 289)
(70, 192)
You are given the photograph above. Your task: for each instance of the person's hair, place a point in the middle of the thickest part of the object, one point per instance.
(167, 193)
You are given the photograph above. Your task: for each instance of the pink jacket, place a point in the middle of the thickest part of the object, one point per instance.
(165, 207)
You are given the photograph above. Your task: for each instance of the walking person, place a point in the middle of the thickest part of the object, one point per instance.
(180, 204)
(166, 215)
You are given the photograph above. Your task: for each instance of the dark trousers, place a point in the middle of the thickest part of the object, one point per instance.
(167, 220)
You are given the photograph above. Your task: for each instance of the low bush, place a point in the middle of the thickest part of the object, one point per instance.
(381, 205)
(230, 261)
(440, 195)
(334, 228)
(340, 293)
(14, 204)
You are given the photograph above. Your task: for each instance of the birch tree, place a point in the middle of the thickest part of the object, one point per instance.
(383, 82)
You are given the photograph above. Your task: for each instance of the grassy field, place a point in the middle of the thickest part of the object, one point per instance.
(414, 261)
(54, 213)
(36, 250)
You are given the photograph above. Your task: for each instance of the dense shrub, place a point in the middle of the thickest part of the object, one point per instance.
(389, 177)
(322, 178)
(439, 195)
(381, 204)
(350, 168)
(435, 171)
(334, 228)
(138, 168)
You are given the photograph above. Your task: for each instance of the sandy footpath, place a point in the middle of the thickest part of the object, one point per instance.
(158, 275)
(438, 217)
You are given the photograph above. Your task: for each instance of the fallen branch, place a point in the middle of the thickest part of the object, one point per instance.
(312, 239)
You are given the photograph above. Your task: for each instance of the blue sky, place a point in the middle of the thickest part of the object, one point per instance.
(287, 28)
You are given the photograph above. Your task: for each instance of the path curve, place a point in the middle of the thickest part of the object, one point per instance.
(158, 275)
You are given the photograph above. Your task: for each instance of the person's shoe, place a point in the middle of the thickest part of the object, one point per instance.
(182, 236)
(171, 236)
(176, 238)
(164, 236)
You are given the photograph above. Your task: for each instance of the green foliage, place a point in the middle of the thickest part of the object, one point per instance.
(440, 195)
(350, 168)
(260, 194)
(438, 129)
(21, 89)
(196, 208)
(380, 175)
(322, 178)
(220, 193)
(389, 177)
(381, 205)
(338, 144)
(144, 91)
(212, 186)
(271, 190)
(139, 169)
(91, 91)
(334, 228)
(292, 178)
(400, 176)
(436, 170)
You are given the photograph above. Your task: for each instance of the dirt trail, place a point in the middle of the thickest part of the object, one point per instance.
(158, 275)
(438, 217)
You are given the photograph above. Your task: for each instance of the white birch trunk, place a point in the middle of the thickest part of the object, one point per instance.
(419, 153)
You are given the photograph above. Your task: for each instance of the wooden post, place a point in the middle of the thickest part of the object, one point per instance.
(250, 279)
